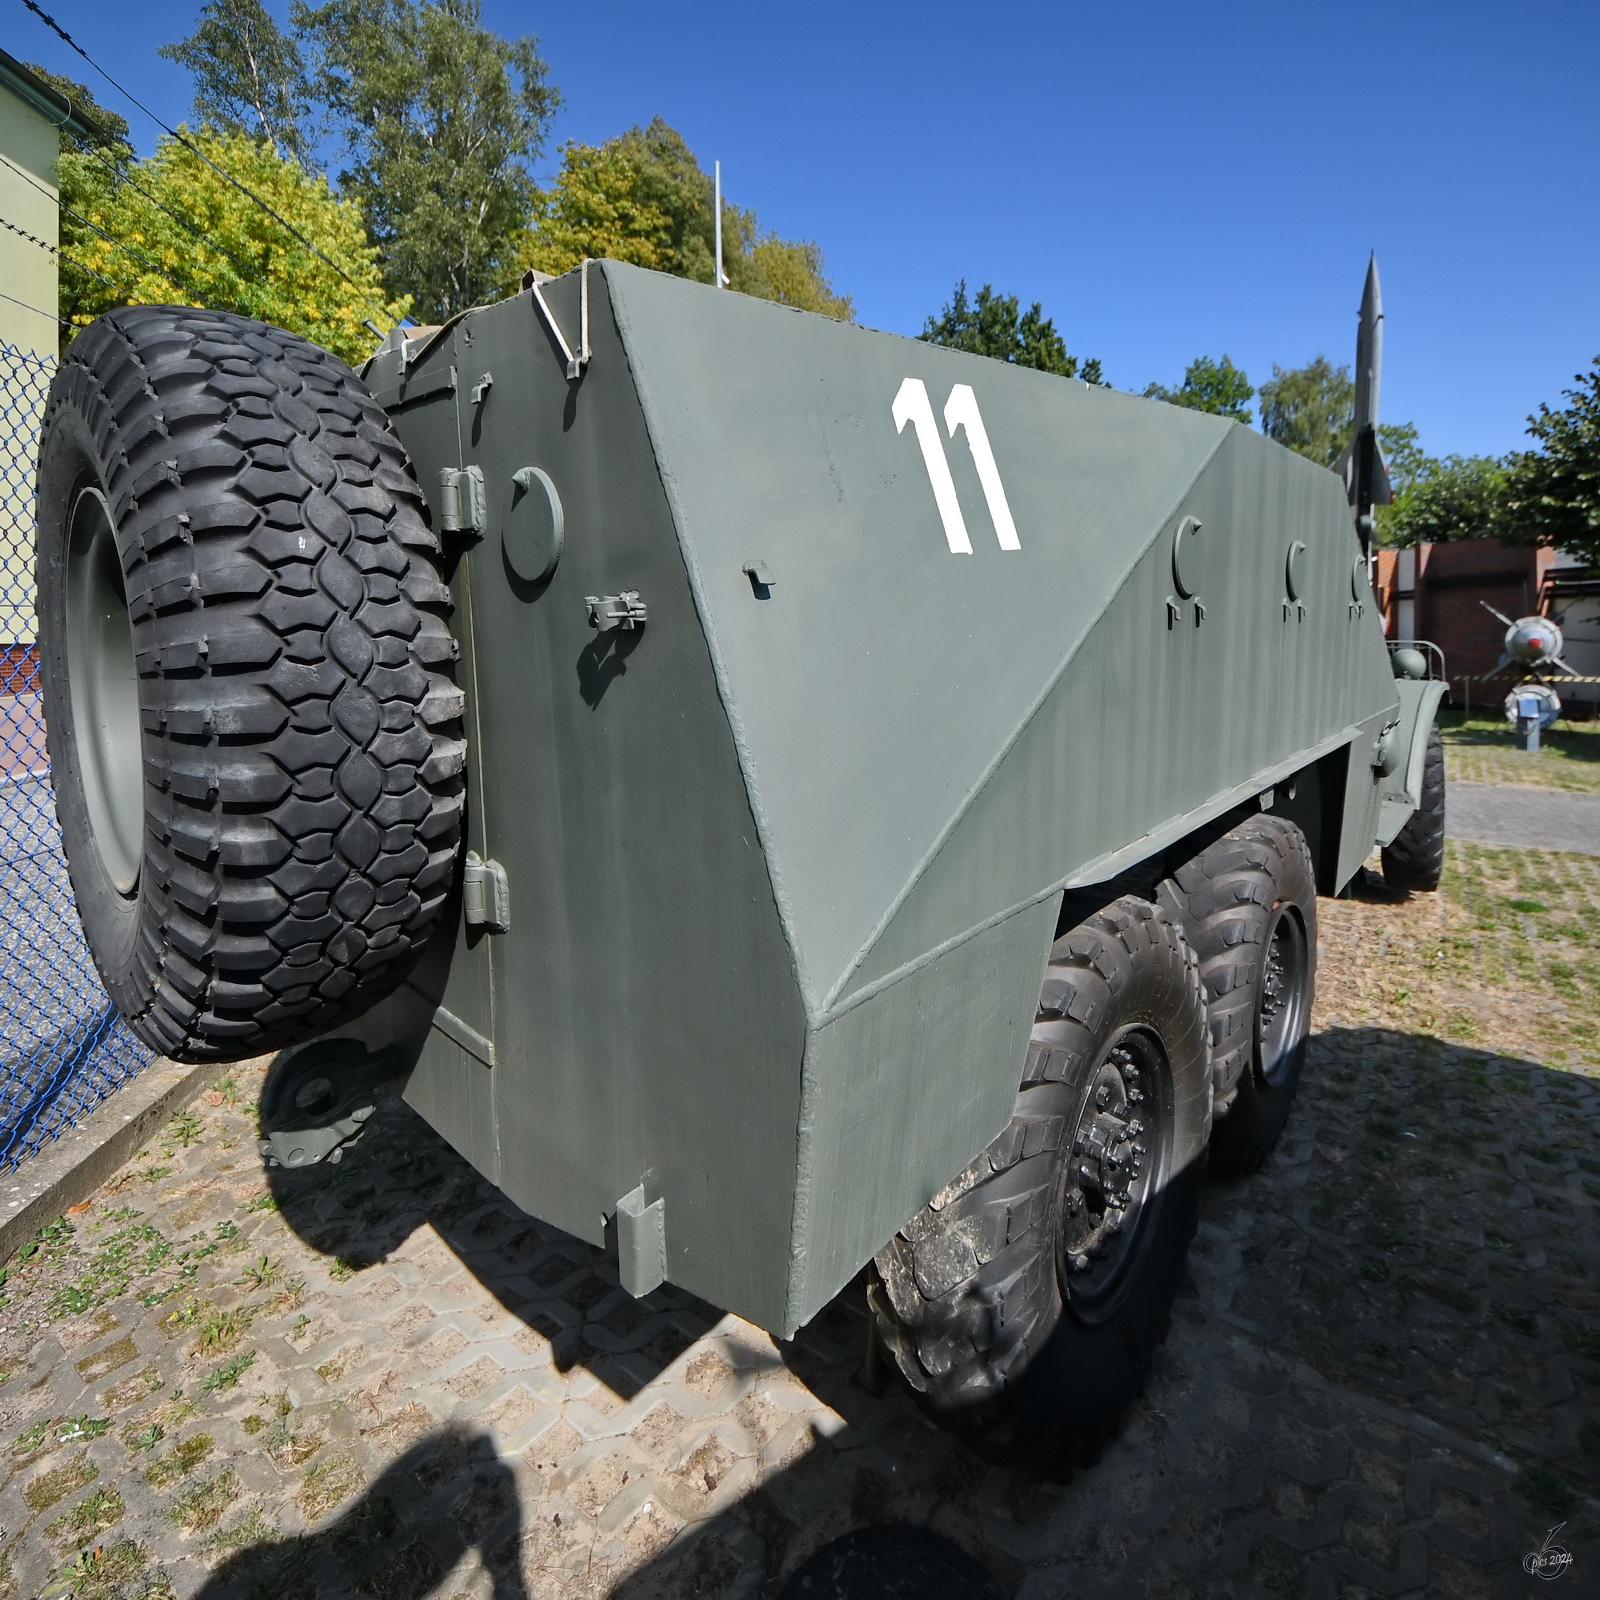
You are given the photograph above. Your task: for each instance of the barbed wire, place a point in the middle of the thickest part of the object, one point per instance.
(54, 316)
(55, 250)
(117, 244)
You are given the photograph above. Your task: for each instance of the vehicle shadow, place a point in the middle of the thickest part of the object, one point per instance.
(447, 1496)
(401, 1176)
(1383, 1372)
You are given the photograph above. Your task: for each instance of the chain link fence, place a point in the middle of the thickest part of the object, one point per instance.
(63, 1048)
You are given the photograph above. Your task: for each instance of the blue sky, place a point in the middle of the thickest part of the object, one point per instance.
(1169, 180)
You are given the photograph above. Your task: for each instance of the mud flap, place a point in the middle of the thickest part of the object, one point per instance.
(1402, 789)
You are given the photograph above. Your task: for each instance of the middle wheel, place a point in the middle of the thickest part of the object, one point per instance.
(1248, 904)
(1023, 1303)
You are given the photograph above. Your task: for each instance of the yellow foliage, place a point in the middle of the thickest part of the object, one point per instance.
(243, 260)
(598, 208)
(643, 198)
(793, 274)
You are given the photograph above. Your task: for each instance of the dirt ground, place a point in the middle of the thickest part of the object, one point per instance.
(382, 1379)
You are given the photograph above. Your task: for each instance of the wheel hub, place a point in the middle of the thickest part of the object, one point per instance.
(1109, 1190)
(1280, 1012)
(104, 688)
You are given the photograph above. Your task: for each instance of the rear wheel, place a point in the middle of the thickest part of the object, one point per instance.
(1414, 858)
(254, 739)
(1248, 903)
(1024, 1302)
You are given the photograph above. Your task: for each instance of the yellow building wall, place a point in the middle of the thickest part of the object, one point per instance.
(27, 272)
(28, 345)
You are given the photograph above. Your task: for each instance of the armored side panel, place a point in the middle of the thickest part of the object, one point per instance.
(929, 639)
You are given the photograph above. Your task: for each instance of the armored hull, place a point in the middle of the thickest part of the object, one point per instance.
(912, 645)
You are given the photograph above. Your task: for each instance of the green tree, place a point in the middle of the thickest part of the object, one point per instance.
(248, 76)
(644, 198)
(792, 272)
(1310, 409)
(995, 325)
(169, 231)
(1403, 455)
(1215, 386)
(1553, 494)
(1459, 497)
(441, 118)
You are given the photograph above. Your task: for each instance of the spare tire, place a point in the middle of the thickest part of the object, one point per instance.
(254, 736)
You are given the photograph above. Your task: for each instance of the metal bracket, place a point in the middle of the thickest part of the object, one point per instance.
(1174, 612)
(1386, 752)
(625, 610)
(481, 388)
(1199, 612)
(461, 499)
(486, 895)
(575, 363)
(641, 1243)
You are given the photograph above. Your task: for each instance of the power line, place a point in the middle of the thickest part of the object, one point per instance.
(56, 252)
(51, 23)
(119, 244)
(124, 177)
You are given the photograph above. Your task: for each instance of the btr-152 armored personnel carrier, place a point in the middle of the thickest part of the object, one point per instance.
(781, 796)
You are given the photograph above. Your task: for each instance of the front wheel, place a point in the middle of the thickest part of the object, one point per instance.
(1414, 858)
(1024, 1302)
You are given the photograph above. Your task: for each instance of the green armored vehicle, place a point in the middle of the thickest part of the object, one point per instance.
(782, 797)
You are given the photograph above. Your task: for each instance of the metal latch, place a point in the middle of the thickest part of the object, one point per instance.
(461, 499)
(625, 610)
(486, 895)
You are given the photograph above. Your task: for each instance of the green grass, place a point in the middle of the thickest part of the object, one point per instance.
(1479, 750)
(229, 1373)
(1525, 927)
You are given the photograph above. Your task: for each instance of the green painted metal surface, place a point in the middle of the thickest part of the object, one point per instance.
(785, 861)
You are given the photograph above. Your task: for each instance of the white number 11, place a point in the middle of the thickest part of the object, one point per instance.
(912, 405)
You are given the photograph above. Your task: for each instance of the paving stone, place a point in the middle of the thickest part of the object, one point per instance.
(1383, 1378)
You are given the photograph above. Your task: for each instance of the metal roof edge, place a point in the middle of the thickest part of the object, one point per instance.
(50, 103)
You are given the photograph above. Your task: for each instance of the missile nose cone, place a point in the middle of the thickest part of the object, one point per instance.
(1371, 293)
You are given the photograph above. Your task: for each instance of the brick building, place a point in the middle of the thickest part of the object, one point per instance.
(1438, 592)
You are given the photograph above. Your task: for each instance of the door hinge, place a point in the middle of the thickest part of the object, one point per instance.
(486, 895)
(461, 499)
(607, 611)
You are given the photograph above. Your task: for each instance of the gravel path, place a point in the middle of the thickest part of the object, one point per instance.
(382, 1379)
(1540, 819)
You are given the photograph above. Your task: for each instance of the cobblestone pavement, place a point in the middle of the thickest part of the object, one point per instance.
(382, 1379)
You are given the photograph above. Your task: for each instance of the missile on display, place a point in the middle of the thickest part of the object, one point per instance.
(1531, 642)
(1361, 466)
